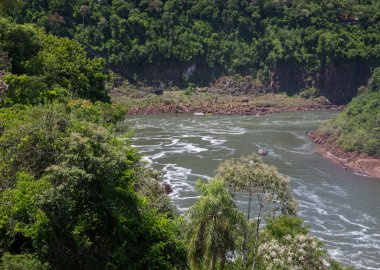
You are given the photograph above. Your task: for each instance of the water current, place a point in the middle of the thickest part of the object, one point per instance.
(342, 208)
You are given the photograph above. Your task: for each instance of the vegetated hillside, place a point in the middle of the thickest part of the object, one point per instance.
(288, 45)
(36, 67)
(358, 127)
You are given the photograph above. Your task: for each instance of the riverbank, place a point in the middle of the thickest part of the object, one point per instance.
(210, 103)
(351, 160)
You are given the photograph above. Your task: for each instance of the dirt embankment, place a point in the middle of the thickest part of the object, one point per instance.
(354, 161)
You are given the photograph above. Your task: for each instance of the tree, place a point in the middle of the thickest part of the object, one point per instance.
(68, 193)
(287, 244)
(84, 10)
(55, 23)
(22, 42)
(374, 82)
(21, 262)
(45, 63)
(263, 183)
(210, 226)
(25, 89)
(5, 61)
(65, 63)
(10, 7)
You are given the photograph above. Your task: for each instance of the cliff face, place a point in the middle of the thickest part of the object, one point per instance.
(338, 82)
(288, 77)
(342, 80)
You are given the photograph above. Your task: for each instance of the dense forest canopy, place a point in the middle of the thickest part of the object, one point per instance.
(38, 67)
(288, 45)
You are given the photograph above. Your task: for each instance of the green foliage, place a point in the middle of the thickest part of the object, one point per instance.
(5, 61)
(251, 175)
(68, 192)
(211, 224)
(269, 190)
(31, 221)
(190, 90)
(284, 225)
(104, 114)
(286, 244)
(151, 186)
(299, 252)
(213, 227)
(25, 89)
(309, 93)
(47, 68)
(20, 41)
(64, 62)
(233, 36)
(374, 82)
(21, 262)
(357, 127)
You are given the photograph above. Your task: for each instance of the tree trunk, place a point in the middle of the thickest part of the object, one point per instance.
(243, 251)
(323, 70)
(257, 235)
(222, 260)
(213, 262)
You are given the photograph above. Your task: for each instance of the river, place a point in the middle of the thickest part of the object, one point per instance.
(342, 208)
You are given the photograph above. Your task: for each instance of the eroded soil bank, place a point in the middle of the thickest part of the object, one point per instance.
(354, 161)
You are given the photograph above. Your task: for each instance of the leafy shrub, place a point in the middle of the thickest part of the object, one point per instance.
(25, 89)
(309, 93)
(21, 262)
(190, 89)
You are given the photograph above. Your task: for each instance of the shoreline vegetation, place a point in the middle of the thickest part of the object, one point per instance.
(353, 137)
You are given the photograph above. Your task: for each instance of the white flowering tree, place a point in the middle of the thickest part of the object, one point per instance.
(269, 193)
(294, 253)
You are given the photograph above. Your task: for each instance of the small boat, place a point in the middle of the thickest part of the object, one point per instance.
(263, 151)
(199, 113)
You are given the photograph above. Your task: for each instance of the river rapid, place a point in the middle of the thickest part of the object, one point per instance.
(342, 208)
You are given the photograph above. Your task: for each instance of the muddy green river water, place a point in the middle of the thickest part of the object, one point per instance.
(342, 208)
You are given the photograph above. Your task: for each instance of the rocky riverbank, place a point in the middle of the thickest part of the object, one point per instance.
(230, 95)
(223, 109)
(226, 105)
(350, 160)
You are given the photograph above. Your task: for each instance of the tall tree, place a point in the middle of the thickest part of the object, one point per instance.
(210, 226)
(263, 183)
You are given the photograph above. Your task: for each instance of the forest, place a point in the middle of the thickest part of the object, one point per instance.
(74, 192)
(287, 45)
